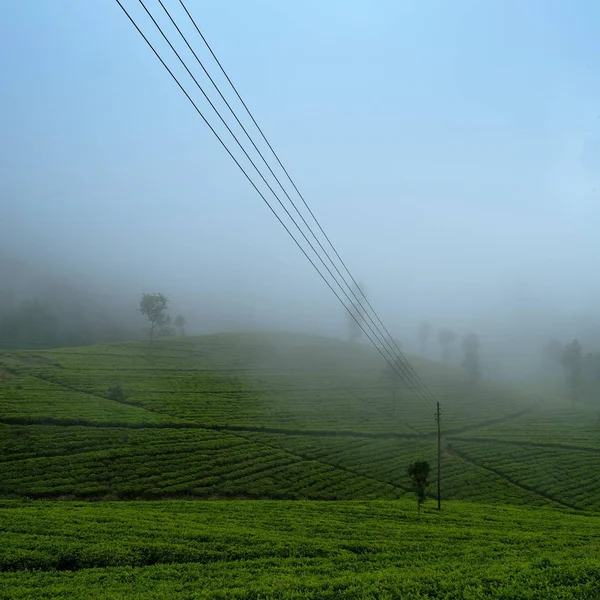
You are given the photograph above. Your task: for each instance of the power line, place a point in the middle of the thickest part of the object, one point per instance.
(404, 365)
(250, 179)
(378, 334)
(232, 111)
(398, 350)
(396, 364)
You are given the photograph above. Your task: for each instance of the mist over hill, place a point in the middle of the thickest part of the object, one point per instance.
(52, 303)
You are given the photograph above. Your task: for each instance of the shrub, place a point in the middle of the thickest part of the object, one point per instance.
(115, 392)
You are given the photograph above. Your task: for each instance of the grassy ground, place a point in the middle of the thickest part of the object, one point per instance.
(289, 418)
(270, 549)
(276, 416)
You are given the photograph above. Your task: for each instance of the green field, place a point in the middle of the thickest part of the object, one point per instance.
(254, 418)
(282, 549)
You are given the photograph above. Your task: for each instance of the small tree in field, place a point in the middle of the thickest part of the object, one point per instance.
(180, 323)
(419, 475)
(154, 308)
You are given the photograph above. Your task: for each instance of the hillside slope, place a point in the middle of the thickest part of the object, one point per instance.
(267, 549)
(275, 416)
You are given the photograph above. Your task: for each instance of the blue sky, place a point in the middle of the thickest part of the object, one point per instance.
(450, 149)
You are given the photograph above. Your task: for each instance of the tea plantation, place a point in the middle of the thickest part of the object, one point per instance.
(249, 423)
(283, 549)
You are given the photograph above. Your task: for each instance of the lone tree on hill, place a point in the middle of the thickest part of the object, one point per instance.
(356, 316)
(154, 308)
(424, 333)
(419, 475)
(446, 338)
(572, 360)
(470, 361)
(180, 323)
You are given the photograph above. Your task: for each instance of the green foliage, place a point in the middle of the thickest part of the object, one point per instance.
(115, 392)
(419, 477)
(261, 415)
(295, 550)
(290, 418)
(154, 308)
(566, 476)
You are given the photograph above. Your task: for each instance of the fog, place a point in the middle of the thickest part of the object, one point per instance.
(450, 151)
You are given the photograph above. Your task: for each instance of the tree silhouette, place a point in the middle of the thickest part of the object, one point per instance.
(446, 338)
(419, 475)
(154, 308)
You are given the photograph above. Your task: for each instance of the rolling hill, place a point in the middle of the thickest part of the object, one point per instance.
(291, 550)
(223, 445)
(277, 416)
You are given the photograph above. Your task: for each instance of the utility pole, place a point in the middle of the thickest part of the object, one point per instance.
(439, 457)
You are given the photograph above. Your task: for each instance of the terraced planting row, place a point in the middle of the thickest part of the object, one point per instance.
(309, 385)
(244, 383)
(267, 399)
(29, 399)
(387, 461)
(19, 442)
(159, 463)
(294, 550)
(567, 476)
(47, 461)
(553, 424)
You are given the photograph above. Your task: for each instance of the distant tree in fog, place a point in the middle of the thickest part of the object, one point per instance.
(552, 353)
(397, 342)
(572, 360)
(31, 323)
(154, 308)
(419, 475)
(393, 380)
(591, 376)
(356, 317)
(7, 301)
(424, 333)
(470, 363)
(180, 323)
(447, 338)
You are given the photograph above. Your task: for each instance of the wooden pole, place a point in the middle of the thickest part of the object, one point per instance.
(439, 457)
